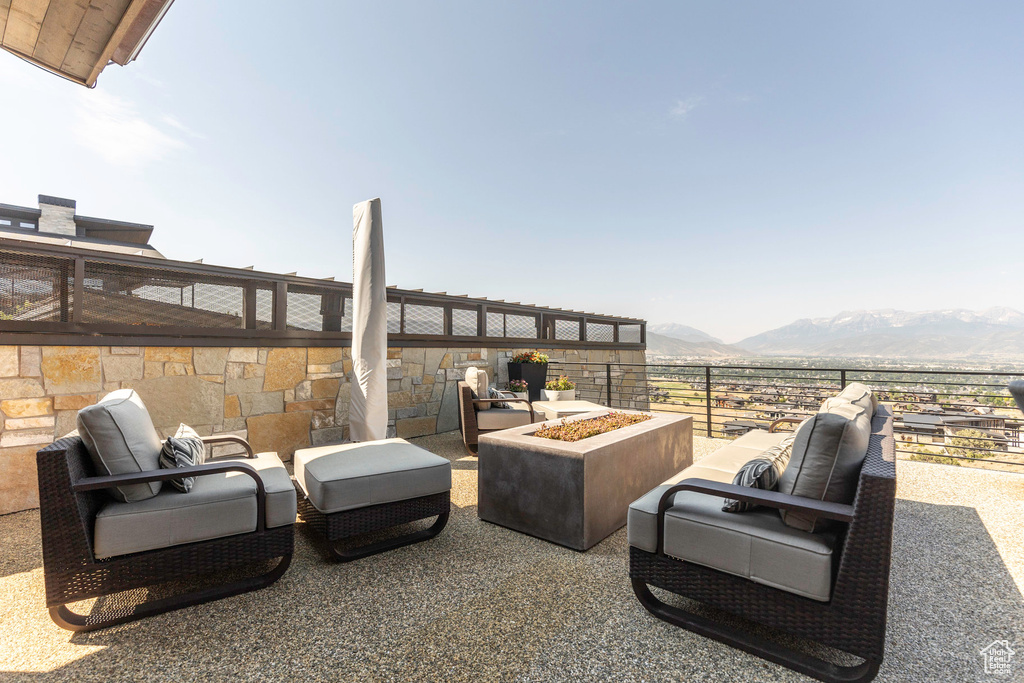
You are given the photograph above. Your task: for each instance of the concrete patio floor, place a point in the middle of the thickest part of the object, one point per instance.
(481, 602)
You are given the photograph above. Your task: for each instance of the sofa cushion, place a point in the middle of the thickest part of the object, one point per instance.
(860, 395)
(350, 476)
(721, 466)
(478, 381)
(218, 505)
(825, 465)
(759, 473)
(757, 545)
(121, 439)
(516, 415)
(184, 449)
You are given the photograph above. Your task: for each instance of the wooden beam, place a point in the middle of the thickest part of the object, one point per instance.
(120, 31)
(24, 20)
(58, 30)
(5, 9)
(92, 36)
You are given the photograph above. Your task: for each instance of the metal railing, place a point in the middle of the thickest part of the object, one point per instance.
(75, 295)
(946, 416)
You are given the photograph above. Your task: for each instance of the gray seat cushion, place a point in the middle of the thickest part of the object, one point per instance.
(218, 505)
(826, 459)
(351, 476)
(721, 466)
(755, 545)
(121, 439)
(516, 415)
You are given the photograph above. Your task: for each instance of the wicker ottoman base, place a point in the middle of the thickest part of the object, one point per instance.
(337, 527)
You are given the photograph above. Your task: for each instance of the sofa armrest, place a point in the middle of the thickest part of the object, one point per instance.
(784, 420)
(110, 481)
(230, 438)
(506, 400)
(772, 499)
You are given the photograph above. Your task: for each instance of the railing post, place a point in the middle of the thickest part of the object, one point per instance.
(248, 306)
(842, 379)
(448, 321)
(280, 305)
(608, 382)
(707, 395)
(78, 295)
(481, 321)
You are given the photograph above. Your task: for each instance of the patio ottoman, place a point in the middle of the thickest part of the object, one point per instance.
(353, 489)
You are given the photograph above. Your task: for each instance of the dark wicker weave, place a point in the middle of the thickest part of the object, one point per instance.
(852, 621)
(339, 526)
(467, 415)
(70, 496)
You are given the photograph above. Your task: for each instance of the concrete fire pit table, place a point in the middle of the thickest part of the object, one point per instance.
(577, 493)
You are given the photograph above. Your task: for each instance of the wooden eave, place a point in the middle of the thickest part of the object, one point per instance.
(76, 39)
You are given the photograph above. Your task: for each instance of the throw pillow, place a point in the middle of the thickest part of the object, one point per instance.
(497, 393)
(184, 449)
(759, 473)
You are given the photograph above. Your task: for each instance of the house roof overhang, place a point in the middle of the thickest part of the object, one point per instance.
(76, 39)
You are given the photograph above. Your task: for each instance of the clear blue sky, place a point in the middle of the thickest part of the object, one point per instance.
(731, 166)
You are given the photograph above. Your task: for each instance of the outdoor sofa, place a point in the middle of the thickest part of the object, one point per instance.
(480, 413)
(111, 523)
(823, 576)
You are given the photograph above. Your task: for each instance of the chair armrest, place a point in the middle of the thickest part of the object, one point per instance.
(772, 499)
(784, 420)
(506, 400)
(110, 481)
(230, 438)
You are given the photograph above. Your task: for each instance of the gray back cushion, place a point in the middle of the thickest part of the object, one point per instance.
(859, 395)
(477, 380)
(827, 453)
(121, 439)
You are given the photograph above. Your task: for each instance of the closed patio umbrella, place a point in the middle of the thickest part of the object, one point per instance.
(368, 412)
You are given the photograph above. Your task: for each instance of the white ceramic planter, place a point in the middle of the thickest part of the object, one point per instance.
(548, 395)
(522, 394)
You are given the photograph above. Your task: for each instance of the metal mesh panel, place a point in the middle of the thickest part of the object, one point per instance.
(520, 326)
(495, 324)
(35, 288)
(600, 332)
(567, 329)
(464, 322)
(264, 309)
(133, 295)
(394, 317)
(420, 319)
(304, 310)
(629, 334)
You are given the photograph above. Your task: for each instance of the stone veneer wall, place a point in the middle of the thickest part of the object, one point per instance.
(280, 399)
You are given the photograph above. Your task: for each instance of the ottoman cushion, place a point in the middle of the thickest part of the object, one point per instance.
(350, 476)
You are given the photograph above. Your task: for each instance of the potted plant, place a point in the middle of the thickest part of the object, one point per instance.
(520, 388)
(560, 389)
(531, 367)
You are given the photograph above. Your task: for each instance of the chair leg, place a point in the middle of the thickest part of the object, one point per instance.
(65, 618)
(754, 644)
(390, 544)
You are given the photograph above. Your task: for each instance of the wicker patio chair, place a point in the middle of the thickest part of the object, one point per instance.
(853, 620)
(70, 495)
(494, 419)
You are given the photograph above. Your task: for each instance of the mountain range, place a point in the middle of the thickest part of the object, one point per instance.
(949, 334)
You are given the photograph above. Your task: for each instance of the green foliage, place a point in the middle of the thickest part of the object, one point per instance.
(518, 385)
(582, 429)
(530, 357)
(967, 442)
(560, 384)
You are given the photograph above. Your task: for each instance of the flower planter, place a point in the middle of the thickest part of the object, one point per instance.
(534, 374)
(568, 395)
(522, 394)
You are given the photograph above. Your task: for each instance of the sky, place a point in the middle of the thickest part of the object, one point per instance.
(729, 166)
